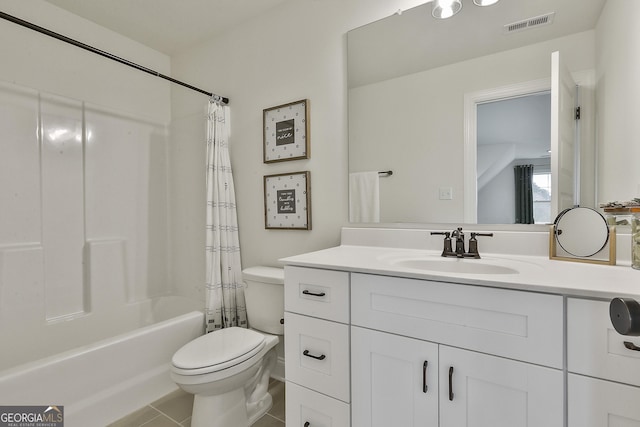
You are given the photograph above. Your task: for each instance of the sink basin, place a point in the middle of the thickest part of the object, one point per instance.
(454, 265)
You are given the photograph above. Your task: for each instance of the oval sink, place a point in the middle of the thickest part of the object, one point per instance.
(454, 265)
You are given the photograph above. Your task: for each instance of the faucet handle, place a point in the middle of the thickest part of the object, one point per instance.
(481, 234)
(473, 244)
(442, 233)
(447, 241)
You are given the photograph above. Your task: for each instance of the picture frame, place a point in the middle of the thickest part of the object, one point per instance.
(287, 201)
(286, 132)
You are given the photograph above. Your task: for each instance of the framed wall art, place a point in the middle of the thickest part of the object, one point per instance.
(287, 201)
(286, 132)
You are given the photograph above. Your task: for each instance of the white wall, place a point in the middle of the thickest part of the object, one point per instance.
(421, 124)
(618, 97)
(296, 51)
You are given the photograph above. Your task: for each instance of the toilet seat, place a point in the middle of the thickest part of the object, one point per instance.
(218, 350)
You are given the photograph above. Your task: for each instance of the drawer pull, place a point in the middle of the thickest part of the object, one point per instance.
(631, 346)
(313, 294)
(451, 383)
(321, 357)
(307, 424)
(424, 376)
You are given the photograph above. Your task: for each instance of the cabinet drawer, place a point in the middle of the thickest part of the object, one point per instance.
(515, 324)
(306, 406)
(317, 354)
(594, 347)
(317, 293)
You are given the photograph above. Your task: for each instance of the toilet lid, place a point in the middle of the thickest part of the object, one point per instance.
(219, 350)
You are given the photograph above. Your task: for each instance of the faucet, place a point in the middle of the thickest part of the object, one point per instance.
(458, 235)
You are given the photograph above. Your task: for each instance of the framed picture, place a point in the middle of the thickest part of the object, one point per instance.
(287, 201)
(286, 132)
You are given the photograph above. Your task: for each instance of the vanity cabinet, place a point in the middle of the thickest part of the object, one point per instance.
(420, 352)
(604, 375)
(429, 370)
(317, 365)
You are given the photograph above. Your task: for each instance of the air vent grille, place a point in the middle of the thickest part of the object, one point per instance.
(526, 24)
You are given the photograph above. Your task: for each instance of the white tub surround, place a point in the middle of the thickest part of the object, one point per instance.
(512, 339)
(115, 365)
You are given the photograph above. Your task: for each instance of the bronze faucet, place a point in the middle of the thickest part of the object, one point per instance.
(458, 235)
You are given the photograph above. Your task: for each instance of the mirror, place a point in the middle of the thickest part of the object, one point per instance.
(409, 76)
(571, 231)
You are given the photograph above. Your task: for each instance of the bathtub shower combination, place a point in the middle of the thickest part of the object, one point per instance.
(85, 320)
(100, 382)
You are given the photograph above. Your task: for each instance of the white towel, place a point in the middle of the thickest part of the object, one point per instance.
(364, 197)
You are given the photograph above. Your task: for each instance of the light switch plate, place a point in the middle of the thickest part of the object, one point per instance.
(446, 193)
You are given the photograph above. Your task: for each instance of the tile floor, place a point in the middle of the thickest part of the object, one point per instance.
(174, 410)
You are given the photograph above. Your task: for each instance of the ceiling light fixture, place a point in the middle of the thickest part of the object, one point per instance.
(443, 9)
(484, 2)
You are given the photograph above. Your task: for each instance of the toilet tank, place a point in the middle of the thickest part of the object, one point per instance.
(264, 294)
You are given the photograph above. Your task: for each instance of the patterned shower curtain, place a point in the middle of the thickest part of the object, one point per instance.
(225, 304)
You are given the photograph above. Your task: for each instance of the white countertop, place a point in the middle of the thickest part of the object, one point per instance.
(535, 273)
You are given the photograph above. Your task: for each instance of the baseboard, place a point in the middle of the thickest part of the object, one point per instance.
(278, 371)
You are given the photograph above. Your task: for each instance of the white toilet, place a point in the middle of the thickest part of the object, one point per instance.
(228, 370)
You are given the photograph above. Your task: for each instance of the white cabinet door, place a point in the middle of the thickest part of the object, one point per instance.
(478, 390)
(394, 380)
(598, 403)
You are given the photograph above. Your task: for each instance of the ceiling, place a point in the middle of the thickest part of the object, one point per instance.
(168, 26)
(414, 41)
(524, 122)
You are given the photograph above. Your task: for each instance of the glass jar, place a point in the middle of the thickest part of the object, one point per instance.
(635, 238)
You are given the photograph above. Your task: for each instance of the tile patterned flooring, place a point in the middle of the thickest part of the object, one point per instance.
(174, 410)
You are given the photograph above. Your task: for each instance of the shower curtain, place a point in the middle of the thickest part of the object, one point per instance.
(225, 303)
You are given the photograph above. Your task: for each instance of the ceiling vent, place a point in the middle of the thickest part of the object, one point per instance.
(526, 24)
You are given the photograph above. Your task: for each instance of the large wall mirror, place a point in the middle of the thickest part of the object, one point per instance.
(453, 106)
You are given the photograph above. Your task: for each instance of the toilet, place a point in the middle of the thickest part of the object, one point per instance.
(228, 370)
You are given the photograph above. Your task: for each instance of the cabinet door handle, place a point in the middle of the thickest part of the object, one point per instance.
(424, 376)
(451, 383)
(321, 357)
(307, 424)
(631, 346)
(313, 294)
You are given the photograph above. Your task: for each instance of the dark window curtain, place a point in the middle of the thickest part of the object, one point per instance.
(524, 194)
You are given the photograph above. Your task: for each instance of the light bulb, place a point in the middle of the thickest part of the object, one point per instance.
(443, 9)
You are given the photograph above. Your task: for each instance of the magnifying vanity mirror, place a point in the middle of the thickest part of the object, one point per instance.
(423, 102)
(581, 232)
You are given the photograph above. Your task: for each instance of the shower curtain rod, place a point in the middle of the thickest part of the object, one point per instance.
(15, 20)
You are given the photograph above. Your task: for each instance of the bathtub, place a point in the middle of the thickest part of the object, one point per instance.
(102, 381)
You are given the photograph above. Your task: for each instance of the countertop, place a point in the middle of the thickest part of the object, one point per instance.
(535, 273)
